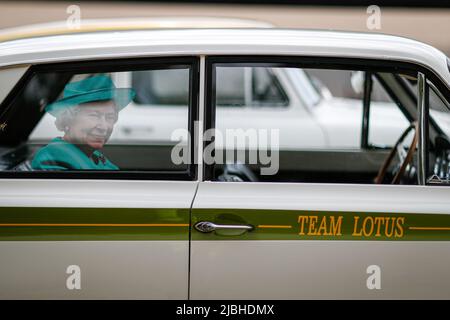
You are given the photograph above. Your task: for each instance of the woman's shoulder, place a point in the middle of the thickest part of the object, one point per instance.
(57, 155)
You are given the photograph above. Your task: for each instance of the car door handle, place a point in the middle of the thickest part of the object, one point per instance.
(206, 226)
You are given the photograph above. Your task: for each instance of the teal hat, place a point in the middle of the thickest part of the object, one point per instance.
(97, 88)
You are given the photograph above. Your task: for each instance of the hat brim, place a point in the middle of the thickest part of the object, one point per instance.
(121, 97)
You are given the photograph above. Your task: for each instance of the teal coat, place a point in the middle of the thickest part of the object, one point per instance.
(62, 155)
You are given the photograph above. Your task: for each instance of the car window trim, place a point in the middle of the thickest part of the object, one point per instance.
(367, 99)
(114, 65)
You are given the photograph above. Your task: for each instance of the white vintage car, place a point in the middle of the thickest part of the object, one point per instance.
(355, 204)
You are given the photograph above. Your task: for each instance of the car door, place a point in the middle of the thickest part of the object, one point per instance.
(302, 233)
(93, 234)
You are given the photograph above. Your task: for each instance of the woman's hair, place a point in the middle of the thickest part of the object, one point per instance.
(65, 117)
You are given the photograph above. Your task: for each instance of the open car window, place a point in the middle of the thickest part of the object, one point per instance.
(83, 119)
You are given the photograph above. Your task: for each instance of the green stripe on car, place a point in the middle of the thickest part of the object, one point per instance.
(321, 225)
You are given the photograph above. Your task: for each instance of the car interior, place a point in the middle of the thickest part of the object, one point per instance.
(371, 164)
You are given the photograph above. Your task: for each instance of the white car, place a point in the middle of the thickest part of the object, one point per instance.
(355, 204)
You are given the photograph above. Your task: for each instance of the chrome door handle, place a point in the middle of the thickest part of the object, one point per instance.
(206, 226)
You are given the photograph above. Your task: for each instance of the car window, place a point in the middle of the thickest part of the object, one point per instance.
(239, 87)
(68, 121)
(161, 87)
(233, 84)
(439, 148)
(386, 119)
(322, 144)
(266, 89)
(249, 87)
(311, 93)
(439, 110)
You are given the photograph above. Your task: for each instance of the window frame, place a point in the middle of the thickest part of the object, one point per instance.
(103, 66)
(315, 62)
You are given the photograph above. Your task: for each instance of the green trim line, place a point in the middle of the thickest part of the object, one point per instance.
(78, 224)
(322, 225)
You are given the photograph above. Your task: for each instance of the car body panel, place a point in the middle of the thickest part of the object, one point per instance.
(271, 270)
(109, 269)
(108, 229)
(285, 257)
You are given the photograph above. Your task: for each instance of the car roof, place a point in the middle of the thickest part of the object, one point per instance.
(119, 24)
(249, 41)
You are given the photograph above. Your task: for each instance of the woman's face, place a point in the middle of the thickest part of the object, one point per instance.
(93, 124)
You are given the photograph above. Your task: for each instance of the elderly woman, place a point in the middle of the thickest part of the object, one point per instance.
(86, 114)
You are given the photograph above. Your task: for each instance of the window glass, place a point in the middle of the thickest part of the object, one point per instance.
(335, 82)
(305, 142)
(248, 87)
(266, 89)
(65, 121)
(161, 87)
(438, 160)
(439, 147)
(231, 86)
(439, 111)
(386, 120)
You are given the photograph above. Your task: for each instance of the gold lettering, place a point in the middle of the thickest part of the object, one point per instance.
(399, 230)
(302, 219)
(323, 227)
(378, 222)
(368, 233)
(389, 230)
(335, 227)
(355, 227)
(327, 226)
(312, 225)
